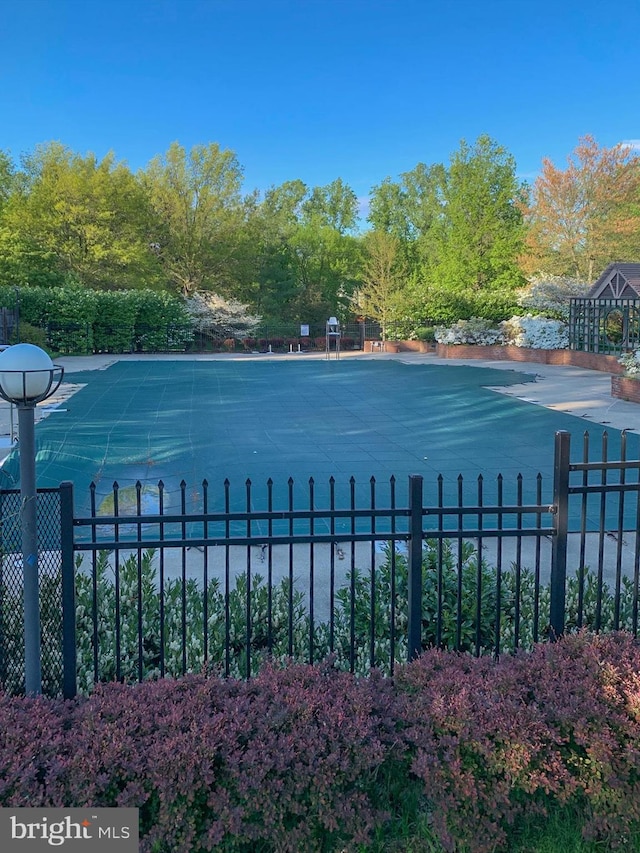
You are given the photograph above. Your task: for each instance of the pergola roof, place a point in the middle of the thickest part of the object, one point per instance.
(618, 281)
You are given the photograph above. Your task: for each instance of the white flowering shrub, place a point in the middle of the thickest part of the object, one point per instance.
(217, 317)
(527, 331)
(476, 330)
(550, 295)
(631, 363)
(536, 332)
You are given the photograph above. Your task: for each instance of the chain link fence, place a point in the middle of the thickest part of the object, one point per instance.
(11, 592)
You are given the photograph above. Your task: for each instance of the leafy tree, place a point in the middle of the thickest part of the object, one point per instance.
(21, 260)
(283, 205)
(326, 265)
(24, 262)
(382, 279)
(307, 260)
(585, 216)
(7, 177)
(274, 287)
(409, 209)
(334, 206)
(200, 214)
(81, 219)
(461, 231)
(477, 240)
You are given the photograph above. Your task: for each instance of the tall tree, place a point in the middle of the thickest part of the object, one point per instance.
(80, 218)
(585, 216)
(480, 235)
(7, 177)
(334, 206)
(409, 209)
(383, 273)
(200, 214)
(274, 287)
(307, 259)
(461, 232)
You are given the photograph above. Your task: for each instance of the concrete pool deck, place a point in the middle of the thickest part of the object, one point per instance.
(585, 394)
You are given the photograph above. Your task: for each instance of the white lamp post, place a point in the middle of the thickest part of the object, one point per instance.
(28, 376)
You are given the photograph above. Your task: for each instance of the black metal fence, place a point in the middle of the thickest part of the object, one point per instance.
(371, 578)
(176, 338)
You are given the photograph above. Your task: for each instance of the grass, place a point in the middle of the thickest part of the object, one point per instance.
(561, 832)
(558, 834)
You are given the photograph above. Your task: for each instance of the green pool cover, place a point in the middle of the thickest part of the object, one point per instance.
(190, 420)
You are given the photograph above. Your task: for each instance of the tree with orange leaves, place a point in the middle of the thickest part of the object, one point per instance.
(587, 215)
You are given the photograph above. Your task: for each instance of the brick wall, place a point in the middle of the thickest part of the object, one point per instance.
(625, 388)
(587, 360)
(416, 346)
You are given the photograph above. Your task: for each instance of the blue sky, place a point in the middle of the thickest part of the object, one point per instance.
(319, 89)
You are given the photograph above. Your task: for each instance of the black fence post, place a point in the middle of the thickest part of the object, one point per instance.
(69, 686)
(561, 524)
(415, 567)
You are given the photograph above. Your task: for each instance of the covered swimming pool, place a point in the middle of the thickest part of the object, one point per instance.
(186, 421)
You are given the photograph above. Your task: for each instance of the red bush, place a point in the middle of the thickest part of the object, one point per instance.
(288, 758)
(309, 758)
(492, 742)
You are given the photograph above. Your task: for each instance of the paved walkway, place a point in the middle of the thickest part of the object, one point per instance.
(573, 390)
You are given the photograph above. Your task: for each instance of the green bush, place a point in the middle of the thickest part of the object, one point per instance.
(78, 320)
(25, 333)
(162, 323)
(71, 314)
(182, 611)
(183, 630)
(114, 328)
(466, 623)
(425, 333)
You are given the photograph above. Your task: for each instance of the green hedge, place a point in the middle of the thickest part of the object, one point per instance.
(78, 320)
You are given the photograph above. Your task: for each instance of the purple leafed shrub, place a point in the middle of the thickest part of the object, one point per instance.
(289, 758)
(310, 758)
(493, 742)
